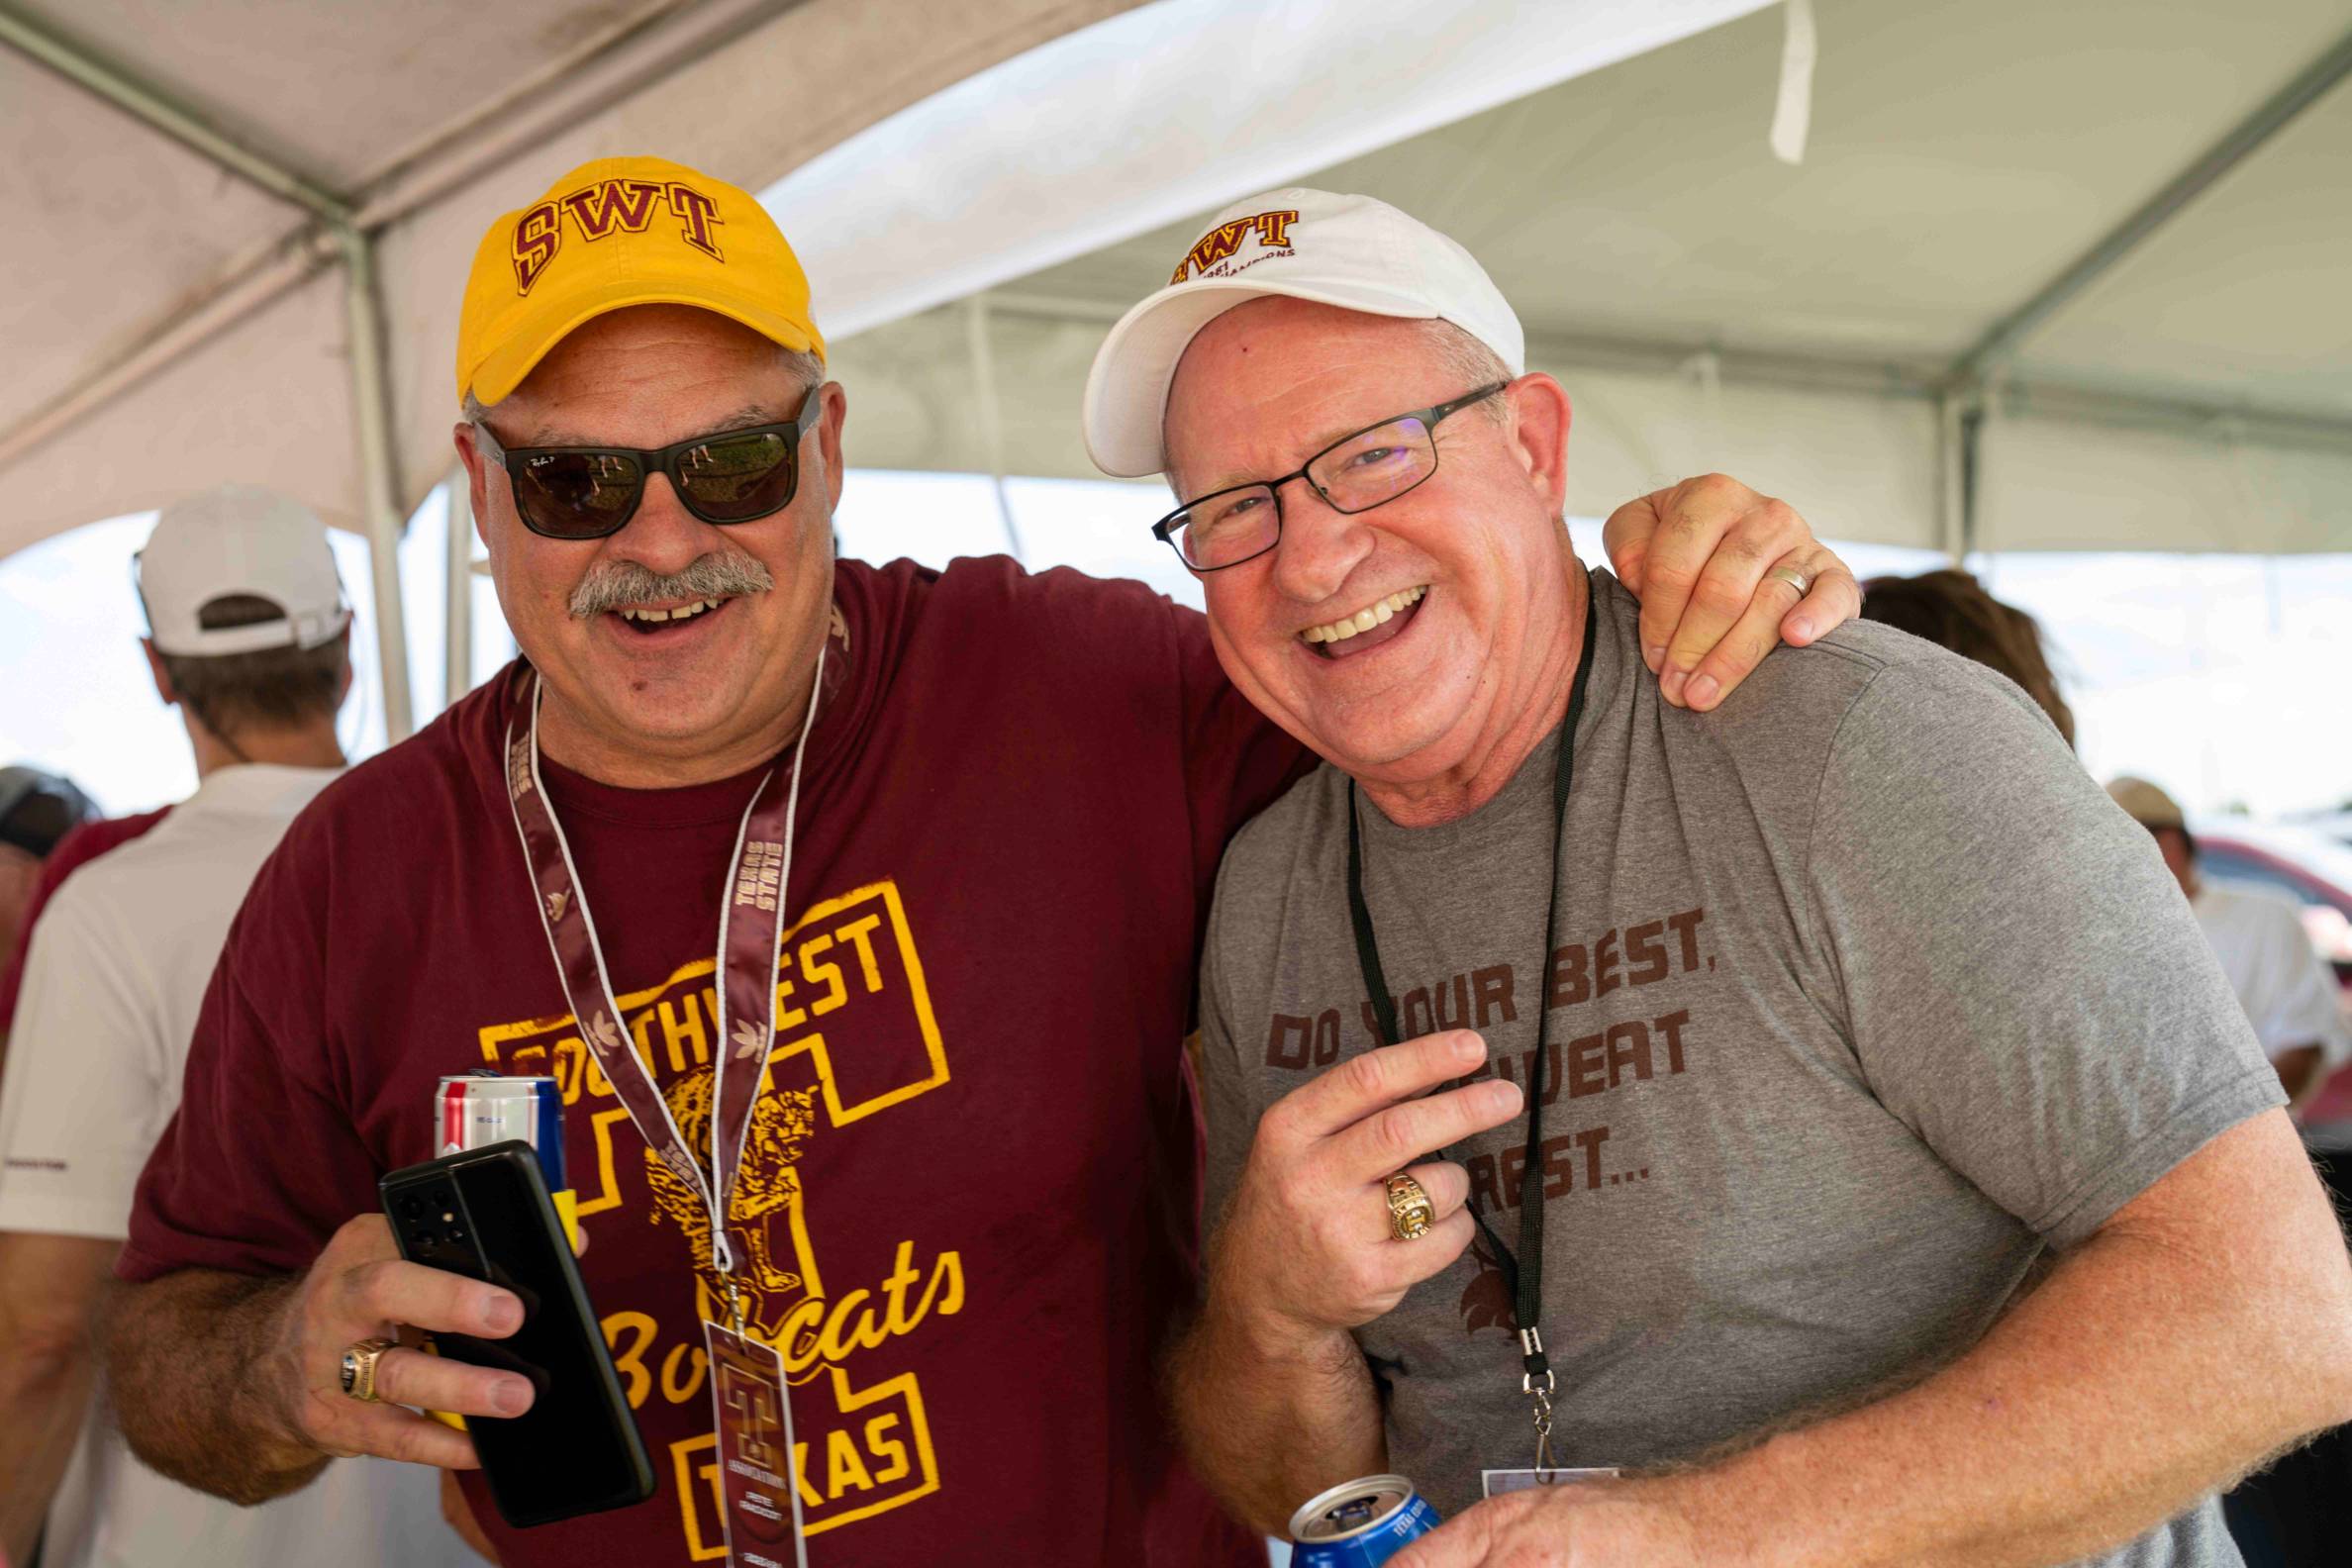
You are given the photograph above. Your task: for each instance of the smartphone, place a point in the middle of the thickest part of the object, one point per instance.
(485, 1214)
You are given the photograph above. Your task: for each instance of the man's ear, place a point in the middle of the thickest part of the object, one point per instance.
(161, 675)
(1538, 434)
(476, 485)
(829, 424)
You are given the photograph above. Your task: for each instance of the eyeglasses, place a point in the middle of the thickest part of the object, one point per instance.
(1356, 474)
(588, 492)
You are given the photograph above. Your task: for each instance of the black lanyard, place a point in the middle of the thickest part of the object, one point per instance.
(1522, 1272)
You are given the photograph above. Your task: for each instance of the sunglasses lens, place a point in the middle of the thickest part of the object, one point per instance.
(736, 478)
(577, 495)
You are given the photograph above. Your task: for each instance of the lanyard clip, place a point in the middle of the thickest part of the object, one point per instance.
(735, 1304)
(1538, 1366)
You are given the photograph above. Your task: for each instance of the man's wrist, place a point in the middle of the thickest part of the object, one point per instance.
(271, 1388)
(1244, 1326)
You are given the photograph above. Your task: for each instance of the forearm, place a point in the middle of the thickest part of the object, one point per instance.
(2139, 1378)
(186, 1360)
(44, 1394)
(1269, 1421)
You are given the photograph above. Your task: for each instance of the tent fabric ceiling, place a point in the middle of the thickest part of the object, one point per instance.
(125, 239)
(1959, 159)
(1708, 305)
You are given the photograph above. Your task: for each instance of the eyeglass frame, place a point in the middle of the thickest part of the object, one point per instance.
(1430, 418)
(662, 460)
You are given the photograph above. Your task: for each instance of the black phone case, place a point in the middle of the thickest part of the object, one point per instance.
(485, 1214)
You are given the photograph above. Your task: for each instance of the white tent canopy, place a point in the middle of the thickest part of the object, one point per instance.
(2046, 277)
(242, 227)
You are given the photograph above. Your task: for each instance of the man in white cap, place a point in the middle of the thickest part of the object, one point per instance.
(1762, 1050)
(963, 825)
(2299, 1509)
(2260, 941)
(249, 637)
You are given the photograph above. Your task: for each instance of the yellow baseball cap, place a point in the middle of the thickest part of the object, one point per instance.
(619, 231)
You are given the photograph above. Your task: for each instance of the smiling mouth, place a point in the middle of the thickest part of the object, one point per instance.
(646, 621)
(1374, 624)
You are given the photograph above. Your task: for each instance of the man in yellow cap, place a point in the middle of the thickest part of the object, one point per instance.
(854, 909)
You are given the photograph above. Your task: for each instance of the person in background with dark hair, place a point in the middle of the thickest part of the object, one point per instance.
(38, 811)
(1952, 609)
(25, 891)
(249, 640)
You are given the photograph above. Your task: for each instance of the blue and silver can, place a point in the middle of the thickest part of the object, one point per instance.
(477, 1110)
(1359, 1525)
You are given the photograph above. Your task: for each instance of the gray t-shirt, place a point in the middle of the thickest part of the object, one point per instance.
(1865, 993)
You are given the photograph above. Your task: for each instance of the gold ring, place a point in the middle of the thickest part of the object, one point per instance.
(360, 1368)
(1792, 577)
(1410, 1212)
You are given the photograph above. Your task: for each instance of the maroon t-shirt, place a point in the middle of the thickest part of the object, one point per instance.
(76, 850)
(969, 1190)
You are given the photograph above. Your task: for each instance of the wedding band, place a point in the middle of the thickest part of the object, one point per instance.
(1792, 577)
(360, 1368)
(1410, 1212)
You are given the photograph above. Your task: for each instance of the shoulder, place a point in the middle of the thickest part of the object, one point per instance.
(1278, 850)
(1870, 687)
(394, 814)
(457, 751)
(2250, 908)
(1829, 678)
(998, 589)
(1059, 635)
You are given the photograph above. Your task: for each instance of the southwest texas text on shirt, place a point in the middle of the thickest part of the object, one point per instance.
(968, 1203)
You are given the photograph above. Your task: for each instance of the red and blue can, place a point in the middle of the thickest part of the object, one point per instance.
(481, 1108)
(1359, 1525)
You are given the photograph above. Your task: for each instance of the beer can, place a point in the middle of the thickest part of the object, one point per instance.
(1359, 1523)
(479, 1108)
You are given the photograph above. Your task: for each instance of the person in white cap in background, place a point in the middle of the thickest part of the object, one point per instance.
(249, 636)
(2260, 940)
(1765, 1044)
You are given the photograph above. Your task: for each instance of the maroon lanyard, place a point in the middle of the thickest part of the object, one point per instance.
(750, 930)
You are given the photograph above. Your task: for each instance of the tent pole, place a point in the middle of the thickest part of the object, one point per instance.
(1947, 488)
(379, 505)
(457, 587)
(2008, 334)
(991, 427)
(1971, 422)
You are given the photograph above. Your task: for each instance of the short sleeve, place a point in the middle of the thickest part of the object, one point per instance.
(85, 1092)
(2024, 985)
(261, 1163)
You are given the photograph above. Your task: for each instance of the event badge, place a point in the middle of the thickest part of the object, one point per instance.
(1497, 1482)
(752, 1411)
(756, 1453)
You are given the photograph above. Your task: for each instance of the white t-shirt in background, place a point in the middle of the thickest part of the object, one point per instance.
(113, 981)
(2286, 990)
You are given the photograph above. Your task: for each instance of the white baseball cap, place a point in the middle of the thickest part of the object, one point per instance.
(238, 539)
(1351, 251)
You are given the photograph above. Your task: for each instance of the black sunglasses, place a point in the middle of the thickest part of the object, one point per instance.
(588, 492)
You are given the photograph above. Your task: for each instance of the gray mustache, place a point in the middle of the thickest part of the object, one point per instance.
(717, 576)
